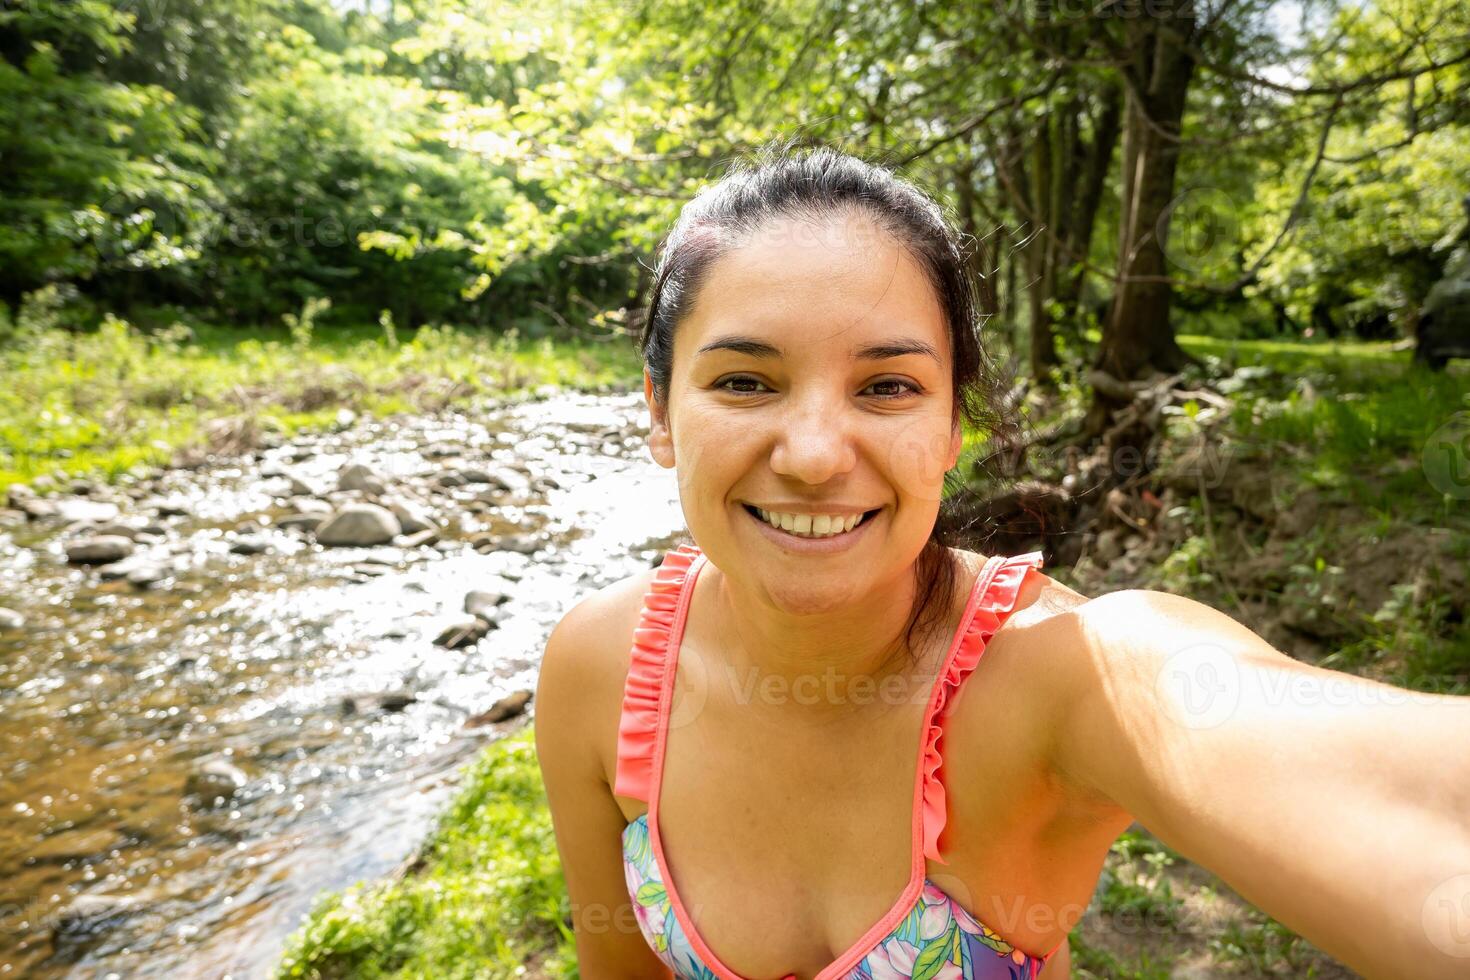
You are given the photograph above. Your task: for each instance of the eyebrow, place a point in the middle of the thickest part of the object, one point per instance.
(898, 347)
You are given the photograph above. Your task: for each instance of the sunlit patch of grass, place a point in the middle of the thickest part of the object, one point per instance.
(1133, 884)
(489, 898)
(1094, 963)
(101, 403)
(1265, 947)
(1361, 412)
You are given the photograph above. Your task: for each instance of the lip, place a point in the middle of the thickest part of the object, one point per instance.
(814, 546)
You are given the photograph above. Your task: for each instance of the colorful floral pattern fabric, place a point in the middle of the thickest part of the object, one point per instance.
(937, 940)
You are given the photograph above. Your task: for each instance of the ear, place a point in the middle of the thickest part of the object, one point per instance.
(660, 439)
(956, 444)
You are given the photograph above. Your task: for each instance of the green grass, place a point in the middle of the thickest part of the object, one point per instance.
(1094, 963)
(1133, 885)
(1360, 414)
(102, 403)
(1263, 946)
(489, 898)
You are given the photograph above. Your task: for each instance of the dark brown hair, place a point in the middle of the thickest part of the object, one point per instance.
(815, 183)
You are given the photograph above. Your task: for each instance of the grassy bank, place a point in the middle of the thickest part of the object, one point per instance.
(488, 899)
(103, 402)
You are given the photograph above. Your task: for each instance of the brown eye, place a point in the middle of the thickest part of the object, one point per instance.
(739, 379)
(904, 388)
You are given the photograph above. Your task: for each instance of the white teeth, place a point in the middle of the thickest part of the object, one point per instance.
(809, 526)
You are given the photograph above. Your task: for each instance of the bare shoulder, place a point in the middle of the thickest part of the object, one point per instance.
(585, 666)
(1041, 597)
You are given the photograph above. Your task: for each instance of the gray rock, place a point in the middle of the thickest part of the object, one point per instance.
(301, 522)
(310, 505)
(359, 525)
(502, 478)
(300, 487)
(523, 544)
(483, 602)
(471, 474)
(507, 707)
(411, 517)
(100, 550)
(10, 619)
(370, 569)
(169, 506)
(420, 540)
(359, 476)
(35, 508)
(148, 575)
(119, 528)
(386, 701)
(17, 493)
(512, 479)
(250, 544)
(74, 509)
(116, 570)
(462, 634)
(215, 780)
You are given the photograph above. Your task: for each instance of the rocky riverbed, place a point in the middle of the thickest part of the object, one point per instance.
(230, 686)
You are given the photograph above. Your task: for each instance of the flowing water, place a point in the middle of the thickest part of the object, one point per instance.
(310, 670)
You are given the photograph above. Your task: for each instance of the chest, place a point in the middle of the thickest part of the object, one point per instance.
(789, 840)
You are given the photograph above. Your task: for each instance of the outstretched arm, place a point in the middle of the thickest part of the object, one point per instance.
(1337, 805)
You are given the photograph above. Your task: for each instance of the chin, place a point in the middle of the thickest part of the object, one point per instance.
(805, 597)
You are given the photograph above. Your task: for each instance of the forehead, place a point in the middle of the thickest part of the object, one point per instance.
(839, 280)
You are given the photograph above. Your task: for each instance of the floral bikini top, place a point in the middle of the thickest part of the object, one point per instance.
(926, 934)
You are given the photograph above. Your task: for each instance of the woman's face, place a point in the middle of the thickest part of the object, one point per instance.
(811, 380)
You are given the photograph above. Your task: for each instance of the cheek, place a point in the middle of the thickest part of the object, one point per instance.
(712, 446)
(916, 456)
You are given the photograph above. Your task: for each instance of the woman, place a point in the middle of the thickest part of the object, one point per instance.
(781, 754)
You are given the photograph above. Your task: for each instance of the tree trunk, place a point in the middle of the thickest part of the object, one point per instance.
(1138, 337)
(1094, 161)
(983, 248)
(1041, 253)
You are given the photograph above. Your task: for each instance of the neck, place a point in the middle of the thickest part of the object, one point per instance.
(844, 663)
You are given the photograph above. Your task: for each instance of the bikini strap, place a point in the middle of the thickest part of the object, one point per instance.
(665, 605)
(991, 601)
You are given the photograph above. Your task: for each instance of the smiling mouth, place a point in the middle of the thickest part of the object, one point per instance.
(810, 533)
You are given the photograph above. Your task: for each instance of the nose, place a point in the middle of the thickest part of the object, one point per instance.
(814, 441)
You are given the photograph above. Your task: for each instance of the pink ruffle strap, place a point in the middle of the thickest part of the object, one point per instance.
(991, 608)
(638, 726)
